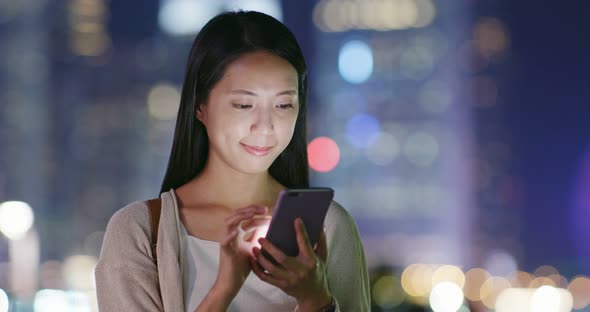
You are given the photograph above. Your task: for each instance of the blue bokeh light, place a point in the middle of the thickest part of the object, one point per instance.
(355, 61)
(362, 130)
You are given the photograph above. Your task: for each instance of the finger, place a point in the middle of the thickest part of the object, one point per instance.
(227, 239)
(259, 271)
(242, 213)
(302, 239)
(322, 246)
(274, 251)
(234, 220)
(256, 222)
(274, 270)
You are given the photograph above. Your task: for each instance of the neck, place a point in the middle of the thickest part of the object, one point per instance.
(221, 185)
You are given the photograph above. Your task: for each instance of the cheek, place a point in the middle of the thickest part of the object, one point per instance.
(285, 132)
(228, 129)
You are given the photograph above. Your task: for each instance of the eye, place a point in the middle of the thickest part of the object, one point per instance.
(285, 106)
(241, 106)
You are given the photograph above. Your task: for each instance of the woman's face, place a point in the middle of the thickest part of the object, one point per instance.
(251, 112)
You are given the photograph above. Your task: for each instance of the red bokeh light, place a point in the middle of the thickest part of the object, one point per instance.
(323, 154)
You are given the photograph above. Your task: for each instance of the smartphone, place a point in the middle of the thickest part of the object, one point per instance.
(311, 205)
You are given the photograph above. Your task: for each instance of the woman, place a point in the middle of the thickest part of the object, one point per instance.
(240, 139)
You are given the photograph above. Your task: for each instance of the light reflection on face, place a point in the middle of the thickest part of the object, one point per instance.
(254, 104)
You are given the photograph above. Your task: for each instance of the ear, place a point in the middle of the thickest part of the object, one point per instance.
(199, 113)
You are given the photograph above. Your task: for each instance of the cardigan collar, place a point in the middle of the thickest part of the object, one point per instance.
(169, 247)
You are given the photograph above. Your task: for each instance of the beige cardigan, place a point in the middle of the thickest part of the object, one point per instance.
(128, 280)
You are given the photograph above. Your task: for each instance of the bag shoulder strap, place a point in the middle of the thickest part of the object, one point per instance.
(154, 207)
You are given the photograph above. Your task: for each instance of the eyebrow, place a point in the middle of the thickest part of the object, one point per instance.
(246, 92)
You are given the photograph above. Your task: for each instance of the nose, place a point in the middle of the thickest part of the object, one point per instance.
(263, 124)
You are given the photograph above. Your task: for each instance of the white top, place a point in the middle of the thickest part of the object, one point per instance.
(202, 263)
(346, 269)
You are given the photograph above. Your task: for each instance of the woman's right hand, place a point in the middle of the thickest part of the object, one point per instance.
(234, 265)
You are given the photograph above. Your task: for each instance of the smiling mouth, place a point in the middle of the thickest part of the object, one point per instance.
(256, 150)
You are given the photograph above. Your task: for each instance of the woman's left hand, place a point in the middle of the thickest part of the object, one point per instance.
(302, 277)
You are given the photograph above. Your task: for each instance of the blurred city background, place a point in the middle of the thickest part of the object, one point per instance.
(457, 133)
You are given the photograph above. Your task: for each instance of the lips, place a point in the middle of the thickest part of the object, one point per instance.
(256, 150)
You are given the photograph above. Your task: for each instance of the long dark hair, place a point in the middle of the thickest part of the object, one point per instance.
(223, 39)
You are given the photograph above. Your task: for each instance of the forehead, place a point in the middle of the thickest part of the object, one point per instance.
(259, 71)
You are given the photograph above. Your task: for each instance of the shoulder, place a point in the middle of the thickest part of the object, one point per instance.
(337, 214)
(130, 220)
(338, 219)
(127, 235)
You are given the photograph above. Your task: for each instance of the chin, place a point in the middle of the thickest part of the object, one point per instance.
(254, 167)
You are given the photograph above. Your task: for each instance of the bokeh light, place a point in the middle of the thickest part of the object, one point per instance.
(474, 279)
(543, 299)
(580, 290)
(513, 300)
(559, 280)
(92, 44)
(355, 61)
(388, 292)
(417, 280)
(421, 149)
(349, 155)
(435, 96)
(16, 218)
(490, 38)
(426, 13)
(4, 303)
(51, 275)
(78, 272)
(545, 271)
(446, 297)
(323, 154)
(541, 281)
(448, 273)
(417, 62)
(88, 33)
(521, 279)
(546, 298)
(50, 300)
(163, 101)
(491, 288)
(384, 149)
(47, 300)
(186, 17)
(500, 263)
(551, 299)
(270, 7)
(362, 130)
(379, 15)
(407, 279)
